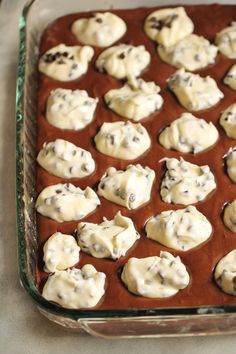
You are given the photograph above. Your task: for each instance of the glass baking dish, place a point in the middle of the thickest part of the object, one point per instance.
(105, 323)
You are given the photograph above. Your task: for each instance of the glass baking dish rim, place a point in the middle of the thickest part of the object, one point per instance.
(161, 313)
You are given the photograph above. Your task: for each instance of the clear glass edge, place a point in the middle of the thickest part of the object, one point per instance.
(162, 313)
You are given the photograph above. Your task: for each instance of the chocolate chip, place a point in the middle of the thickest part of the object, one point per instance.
(186, 79)
(174, 17)
(111, 137)
(140, 130)
(185, 192)
(161, 276)
(165, 187)
(157, 25)
(67, 186)
(61, 61)
(117, 192)
(58, 191)
(136, 139)
(84, 167)
(102, 186)
(99, 20)
(74, 66)
(120, 194)
(71, 57)
(132, 197)
(49, 58)
(169, 20)
(88, 103)
(121, 55)
(153, 19)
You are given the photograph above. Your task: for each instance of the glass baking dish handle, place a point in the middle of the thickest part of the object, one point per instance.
(161, 327)
(207, 321)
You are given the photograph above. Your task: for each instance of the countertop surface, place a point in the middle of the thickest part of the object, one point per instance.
(22, 329)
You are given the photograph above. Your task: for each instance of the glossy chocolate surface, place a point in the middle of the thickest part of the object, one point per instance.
(200, 262)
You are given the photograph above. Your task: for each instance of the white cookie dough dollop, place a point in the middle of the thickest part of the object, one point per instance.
(66, 63)
(189, 134)
(101, 30)
(231, 163)
(136, 100)
(60, 252)
(63, 159)
(70, 109)
(123, 61)
(155, 277)
(193, 91)
(75, 288)
(186, 183)
(130, 188)
(230, 78)
(110, 239)
(225, 273)
(65, 202)
(228, 121)
(123, 140)
(226, 41)
(168, 26)
(192, 53)
(229, 216)
(181, 229)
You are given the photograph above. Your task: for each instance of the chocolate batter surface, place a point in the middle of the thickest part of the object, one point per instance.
(200, 262)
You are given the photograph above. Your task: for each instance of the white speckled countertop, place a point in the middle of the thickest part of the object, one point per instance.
(22, 329)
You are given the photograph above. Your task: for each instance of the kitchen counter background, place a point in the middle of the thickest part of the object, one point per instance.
(23, 329)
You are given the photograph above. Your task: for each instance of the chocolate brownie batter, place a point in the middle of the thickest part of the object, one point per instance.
(200, 261)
